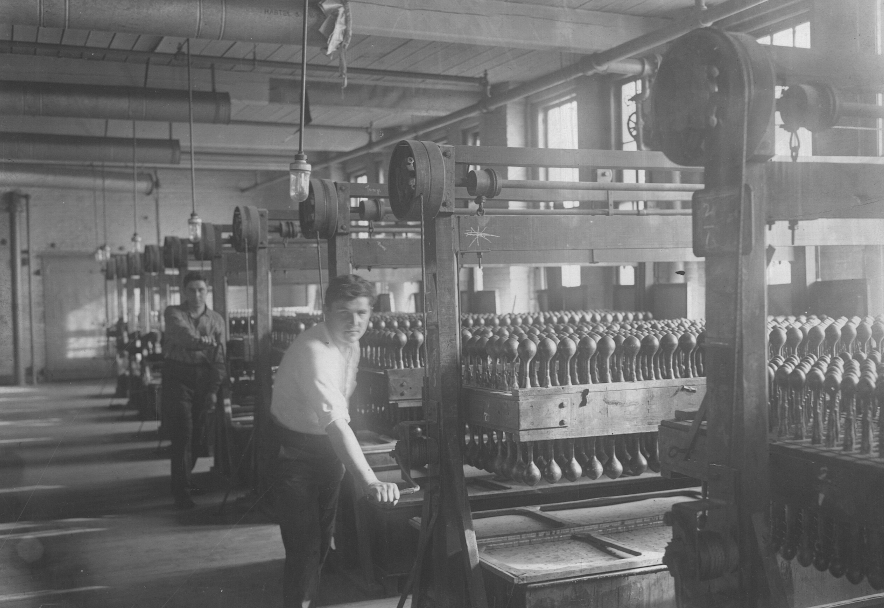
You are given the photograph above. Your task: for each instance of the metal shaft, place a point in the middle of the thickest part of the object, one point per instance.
(15, 261)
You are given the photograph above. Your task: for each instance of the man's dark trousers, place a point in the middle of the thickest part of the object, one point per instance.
(306, 478)
(186, 390)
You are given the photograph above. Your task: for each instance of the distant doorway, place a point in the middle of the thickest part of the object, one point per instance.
(74, 305)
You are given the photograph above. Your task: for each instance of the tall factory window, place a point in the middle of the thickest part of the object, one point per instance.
(557, 128)
(628, 121)
(797, 37)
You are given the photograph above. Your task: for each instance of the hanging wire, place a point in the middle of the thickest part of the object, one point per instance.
(303, 79)
(94, 203)
(104, 206)
(190, 125)
(134, 182)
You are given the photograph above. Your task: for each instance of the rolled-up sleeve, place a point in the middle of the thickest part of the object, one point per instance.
(318, 378)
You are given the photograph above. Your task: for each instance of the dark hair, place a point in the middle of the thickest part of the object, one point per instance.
(193, 275)
(349, 287)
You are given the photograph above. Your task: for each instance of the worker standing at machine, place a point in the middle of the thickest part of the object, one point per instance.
(310, 424)
(193, 369)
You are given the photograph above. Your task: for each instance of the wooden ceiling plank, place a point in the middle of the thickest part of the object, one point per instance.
(497, 23)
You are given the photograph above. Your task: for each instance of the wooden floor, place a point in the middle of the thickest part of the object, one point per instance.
(86, 518)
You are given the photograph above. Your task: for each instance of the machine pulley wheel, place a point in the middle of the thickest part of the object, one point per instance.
(246, 228)
(152, 261)
(134, 261)
(172, 252)
(700, 95)
(318, 213)
(205, 249)
(416, 177)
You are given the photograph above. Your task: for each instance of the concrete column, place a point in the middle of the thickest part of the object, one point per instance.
(595, 118)
(506, 126)
(695, 277)
(873, 269)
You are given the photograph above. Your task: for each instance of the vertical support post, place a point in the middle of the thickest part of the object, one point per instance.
(736, 343)
(146, 300)
(263, 377)
(641, 291)
(219, 281)
(131, 317)
(339, 244)
(457, 576)
(803, 273)
(14, 206)
(121, 299)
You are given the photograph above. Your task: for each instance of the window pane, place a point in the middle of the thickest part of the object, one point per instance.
(626, 275)
(557, 128)
(570, 276)
(802, 36)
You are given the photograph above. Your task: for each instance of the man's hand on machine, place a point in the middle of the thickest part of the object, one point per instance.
(207, 340)
(380, 491)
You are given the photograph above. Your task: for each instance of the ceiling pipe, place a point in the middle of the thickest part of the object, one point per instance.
(19, 98)
(86, 52)
(80, 149)
(275, 21)
(25, 175)
(615, 60)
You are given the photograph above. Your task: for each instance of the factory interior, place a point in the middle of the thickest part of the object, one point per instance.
(629, 325)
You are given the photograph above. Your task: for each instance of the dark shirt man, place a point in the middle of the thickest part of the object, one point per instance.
(310, 423)
(193, 349)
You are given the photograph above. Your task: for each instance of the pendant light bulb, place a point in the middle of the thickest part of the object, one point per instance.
(137, 244)
(299, 179)
(194, 228)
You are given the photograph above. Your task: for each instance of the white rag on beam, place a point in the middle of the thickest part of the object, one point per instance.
(338, 29)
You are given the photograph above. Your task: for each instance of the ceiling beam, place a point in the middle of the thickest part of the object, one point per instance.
(250, 88)
(265, 139)
(499, 23)
(88, 53)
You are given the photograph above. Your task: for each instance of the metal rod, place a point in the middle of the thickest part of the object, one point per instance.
(303, 80)
(536, 184)
(575, 211)
(230, 62)
(190, 126)
(16, 260)
(601, 62)
(31, 328)
(861, 110)
(134, 183)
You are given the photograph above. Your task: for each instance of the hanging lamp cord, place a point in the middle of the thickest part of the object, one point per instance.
(134, 182)
(190, 126)
(303, 79)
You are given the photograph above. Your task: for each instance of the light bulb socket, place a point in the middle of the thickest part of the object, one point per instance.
(194, 227)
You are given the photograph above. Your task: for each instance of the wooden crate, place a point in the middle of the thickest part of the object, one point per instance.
(582, 410)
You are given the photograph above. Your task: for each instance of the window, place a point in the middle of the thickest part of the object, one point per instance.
(557, 128)
(628, 123)
(471, 137)
(359, 178)
(779, 273)
(570, 276)
(797, 37)
(626, 275)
